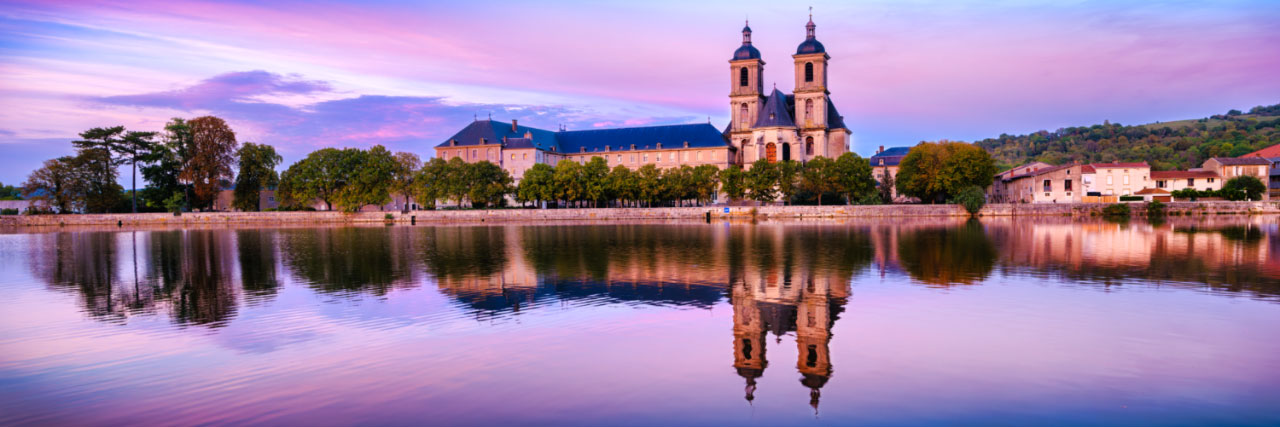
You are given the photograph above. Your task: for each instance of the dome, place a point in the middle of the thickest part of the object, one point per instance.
(746, 52)
(810, 46)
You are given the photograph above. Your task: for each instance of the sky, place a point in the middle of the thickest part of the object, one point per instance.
(305, 75)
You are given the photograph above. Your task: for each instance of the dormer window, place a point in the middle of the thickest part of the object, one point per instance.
(771, 116)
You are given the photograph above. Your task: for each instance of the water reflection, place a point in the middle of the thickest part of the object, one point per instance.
(785, 283)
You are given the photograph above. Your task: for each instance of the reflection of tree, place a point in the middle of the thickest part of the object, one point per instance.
(257, 255)
(947, 256)
(462, 252)
(205, 293)
(647, 253)
(83, 263)
(349, 259)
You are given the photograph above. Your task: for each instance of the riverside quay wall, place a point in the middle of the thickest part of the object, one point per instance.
(613, 214)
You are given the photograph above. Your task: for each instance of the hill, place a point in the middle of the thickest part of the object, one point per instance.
(1166, 146)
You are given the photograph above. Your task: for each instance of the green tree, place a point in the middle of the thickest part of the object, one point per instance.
(538, 184)
(623, 184)
(257, 164)
(430, 183)
(9, 192)
(648, 184)
(853, 177)
(733, 182)
(366, 175)
(123, 147)
(455, 182)
(762, 181)
(594, 179)
(788, 173)
(489, 184)
(705, 180)
(96, 175)
(318, 176)
(819, 177)
(403, 175)
(972, 198)
(934, 172)
(1243, 187)
(569, 184)
(164, 162)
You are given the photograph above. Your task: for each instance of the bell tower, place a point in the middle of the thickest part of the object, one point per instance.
(811, 80)
(746, 82)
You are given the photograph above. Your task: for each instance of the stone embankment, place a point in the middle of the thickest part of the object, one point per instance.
(561, 215)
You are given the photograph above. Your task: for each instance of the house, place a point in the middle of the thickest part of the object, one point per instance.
(1232, 167)
(885, 162)
(1171, 181)
(999, 192)
(266, 199)
(1115, 178)
(1054, 184)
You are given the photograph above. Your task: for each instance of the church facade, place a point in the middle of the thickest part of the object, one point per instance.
(774, 126)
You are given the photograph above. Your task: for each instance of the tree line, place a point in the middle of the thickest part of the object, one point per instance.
(1165, 146)
(184, 167)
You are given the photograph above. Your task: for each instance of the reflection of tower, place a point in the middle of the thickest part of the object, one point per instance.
(813, 338)
(748, 337)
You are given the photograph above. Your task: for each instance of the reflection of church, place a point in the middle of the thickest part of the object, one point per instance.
(764, 303)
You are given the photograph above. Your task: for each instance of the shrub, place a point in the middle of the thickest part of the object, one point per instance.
(869, 199)
(1117, 209)
(1243, 187)
(8, 211)
(972, 198)
(174, 203)
(1131, 198)
(1155, 209)
(388, 217)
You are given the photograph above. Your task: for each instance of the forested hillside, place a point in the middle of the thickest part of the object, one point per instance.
(1166, 146)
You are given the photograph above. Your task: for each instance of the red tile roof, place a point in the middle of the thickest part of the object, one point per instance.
(1152, 191)
(1269, 152)
(1182, 174)
(1115, 165)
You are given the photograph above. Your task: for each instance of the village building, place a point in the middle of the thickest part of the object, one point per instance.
(1201, 180)
(885, 162)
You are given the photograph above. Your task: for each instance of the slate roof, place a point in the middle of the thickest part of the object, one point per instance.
(492, 132)
(1243, 161)
(775, 112)
(893, 151)
(700, 135)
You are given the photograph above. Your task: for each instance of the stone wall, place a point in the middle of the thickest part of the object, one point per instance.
(537, 215)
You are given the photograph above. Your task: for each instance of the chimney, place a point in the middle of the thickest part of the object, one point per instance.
(881, 150)
(513, 125)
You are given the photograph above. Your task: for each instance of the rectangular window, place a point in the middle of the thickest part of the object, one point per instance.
(1210, 180)
(1109, 180)
(1191, 182)
(1159, 183)
(646, 157)
(619, 158)
(1126, 180)
(1048, 186)
(633, 158)
(1066, 185)
(671, 157)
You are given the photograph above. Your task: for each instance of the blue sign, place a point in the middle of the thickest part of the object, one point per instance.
(726, 210)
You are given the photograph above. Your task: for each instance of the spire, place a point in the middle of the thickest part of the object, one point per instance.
(746, 33)
(809, 27)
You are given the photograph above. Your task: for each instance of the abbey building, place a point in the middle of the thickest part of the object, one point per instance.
(774, 126)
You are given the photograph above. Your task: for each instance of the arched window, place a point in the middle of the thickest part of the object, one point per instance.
(742, 114)
(743, 77)
(771, 152)
(808, 111)
(808, 146)
(808, 71)
(786, 151)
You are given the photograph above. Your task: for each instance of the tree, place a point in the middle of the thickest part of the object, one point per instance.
(95, 179)
(9, 192)
(317, 176)
(594, 175)
(972, 198)
(489, 184)
(455, 180)
(366, 178)
(537, 183)
(819, 177)
(55, 184)
(622, 184)
(430, 183)
(122, 147)
(705, 182)
(733, 182)
(788, 172)
(257, 166)
(853, 177)
(164, 162)
(762, 180)
(402, 176)
(569, 183)
(886, 186)
(212, 151)
(648, 184)
(934, 172)
(1244, 187)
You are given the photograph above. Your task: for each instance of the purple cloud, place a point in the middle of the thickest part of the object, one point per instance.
(222, 89)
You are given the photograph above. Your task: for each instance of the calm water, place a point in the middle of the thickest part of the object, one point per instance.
(1002, 322)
